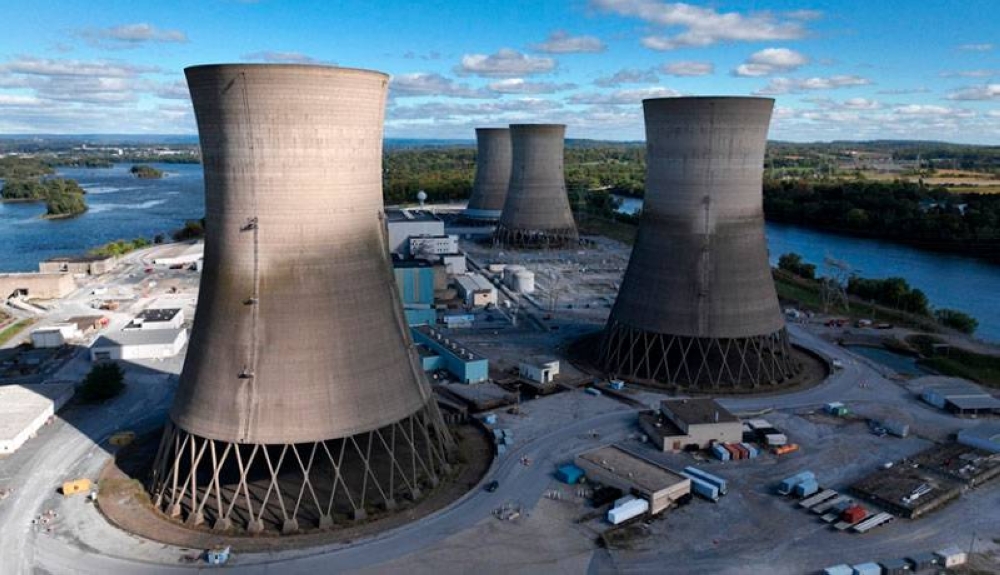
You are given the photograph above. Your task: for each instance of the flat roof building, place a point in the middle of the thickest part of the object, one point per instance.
(90, 265)
(138, 344)
(24, 409)
(404, 224)
(613, 466)
(466, 365)
(476, 290)
(686, 423)
(985, 436)
(36, 285)
(958, 396)
(158, 318)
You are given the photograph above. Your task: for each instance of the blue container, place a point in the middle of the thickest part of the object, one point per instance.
(720, 452)
(569, 473)
(786, 486)
(704, 489)
(753, 450)
(806, 488)
(715, 480)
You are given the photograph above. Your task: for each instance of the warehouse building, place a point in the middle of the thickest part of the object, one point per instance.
(985, 437)
(476, 290)
(442, 352)
(694, 423)
(24, 409)
(959, 396)
(36, 285)
(55, 335)
(138, 344)
(613, 466)
(158, 318)
(405, 224)
(89, 265)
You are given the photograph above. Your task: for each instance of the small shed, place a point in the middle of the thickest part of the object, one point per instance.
(569, 473)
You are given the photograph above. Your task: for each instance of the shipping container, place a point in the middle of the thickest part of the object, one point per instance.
(806, 488)
(750, 449)
(896, 567)
(786, 486)
(744, 452)
(715, 480)
(569, 473)
(951, 557)
(854, 514)
(776, 439)
(734, 453)
(702, 488)
(868, 569)
(897, 428)
(782, 450)
(923, 561)
(839, 570)
(75, 486)
(628, 510)
(720, 452)
(490, 419)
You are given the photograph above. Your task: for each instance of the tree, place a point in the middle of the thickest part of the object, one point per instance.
(104, 381)
(955, 319)
(793, 263)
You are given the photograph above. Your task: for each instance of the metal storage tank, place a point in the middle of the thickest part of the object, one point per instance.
(697, 307)
(536, 212)
(524, 282)
(493, 161)
(301, 384)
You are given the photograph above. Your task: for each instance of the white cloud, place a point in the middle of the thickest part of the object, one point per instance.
(130, 35)
(430, 84)
(19, 100)
(506, 63)
(277, 57)
(108, 82)
(623, 97)
(688, 68)
(985, 47)
(982, 73)
(984, 92)
(904, 91)
(520, 86)
(704, 26)
(627, 76)
(795, 85)
(34, 66)
(770, 61)
(173, 91)
(559, 42)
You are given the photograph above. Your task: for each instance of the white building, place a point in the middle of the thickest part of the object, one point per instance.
(540, 371)
(55, 335)
(476, 290)
(24, 409)
(189, 254)
(454, 264)
(403, 224)
(139, 344)
(432, 247)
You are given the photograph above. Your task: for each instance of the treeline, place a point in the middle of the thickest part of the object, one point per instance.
(930, 218)
(15, 168)
(62, 197)
(146, 172)
(121, 247)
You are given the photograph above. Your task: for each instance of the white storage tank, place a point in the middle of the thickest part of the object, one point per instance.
(509, 271)
(627, 510)
(524, 282)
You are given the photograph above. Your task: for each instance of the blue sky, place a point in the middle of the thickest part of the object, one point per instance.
(838, 69)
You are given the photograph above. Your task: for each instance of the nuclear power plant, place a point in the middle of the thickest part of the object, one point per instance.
(301, 402)
(697, 306)
(489, 188)
(536, 212)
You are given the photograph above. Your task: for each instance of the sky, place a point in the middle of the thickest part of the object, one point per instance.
(837, 69)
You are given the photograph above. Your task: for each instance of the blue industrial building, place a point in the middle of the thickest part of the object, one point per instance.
(415, 283)
(440, 352)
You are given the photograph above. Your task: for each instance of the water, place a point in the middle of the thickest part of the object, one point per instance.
(902, 364)
(121, 207)
(950, 281)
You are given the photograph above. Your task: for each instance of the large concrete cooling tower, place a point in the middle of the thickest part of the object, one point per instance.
(489, 189)
(536, 212)
(697, 307)
(301, 400)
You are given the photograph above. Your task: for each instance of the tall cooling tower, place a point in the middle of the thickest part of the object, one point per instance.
(489, 189)
(536, 212)
(301, 401)
(697, 306)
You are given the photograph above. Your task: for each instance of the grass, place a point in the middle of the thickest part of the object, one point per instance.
(12, 330)
(615, 230)
(958, 362)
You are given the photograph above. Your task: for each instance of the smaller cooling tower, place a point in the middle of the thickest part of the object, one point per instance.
(536, 212)
(697, 306)
(489, 189)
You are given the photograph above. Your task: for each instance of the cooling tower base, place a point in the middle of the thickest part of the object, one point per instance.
(286, 488)
(541, 239)
(709, 364)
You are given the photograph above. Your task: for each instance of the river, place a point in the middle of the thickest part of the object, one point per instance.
(950, 281)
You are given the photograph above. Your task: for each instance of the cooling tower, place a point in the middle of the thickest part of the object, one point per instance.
(697, 306)
(301, 400)
(536, 212)
(489, 189)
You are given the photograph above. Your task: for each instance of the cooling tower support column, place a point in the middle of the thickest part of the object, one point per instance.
(301, 402)
(536, 212)
(697, 307)
(489, 189)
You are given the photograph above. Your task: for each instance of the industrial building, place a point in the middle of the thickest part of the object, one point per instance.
(298, 354)
(158, 318)
(697, 307)
(613, 466)
(433, 247)
(493, 163)
(405, 224)
(958, 396)
(24, 409)
(138, 344)
(476, 290)
(536, 212)
(183, 254)
(519, 279)
(88, 265)
(55, 335)
(694, 423)
(985, 436)
(443, 352)
(415, 281)
(36, 285)
(539, 370)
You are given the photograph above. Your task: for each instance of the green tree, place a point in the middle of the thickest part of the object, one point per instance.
(955, 319)
(105, 380)
(792, 262)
